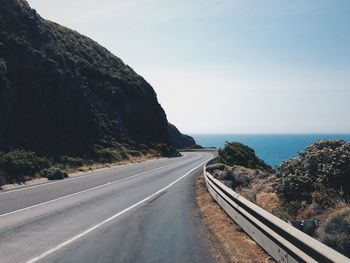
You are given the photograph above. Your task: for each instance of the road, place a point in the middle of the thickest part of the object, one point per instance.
(143, 212)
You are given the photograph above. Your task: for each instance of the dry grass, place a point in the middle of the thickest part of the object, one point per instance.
(320, 214)
(96, 166)
(260, 191)
(81, 171)
(231, 244)
(323, 206)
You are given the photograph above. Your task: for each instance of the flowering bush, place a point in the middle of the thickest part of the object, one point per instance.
(324, 164)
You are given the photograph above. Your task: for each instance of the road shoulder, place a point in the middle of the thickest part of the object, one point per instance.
(229, 242)
(78, 172)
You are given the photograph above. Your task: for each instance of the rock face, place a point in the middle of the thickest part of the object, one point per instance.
(61, 92)
(179, 140)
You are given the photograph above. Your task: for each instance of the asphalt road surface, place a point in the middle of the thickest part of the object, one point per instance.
(143, 212)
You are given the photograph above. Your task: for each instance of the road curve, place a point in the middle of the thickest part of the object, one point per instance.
(137, 213)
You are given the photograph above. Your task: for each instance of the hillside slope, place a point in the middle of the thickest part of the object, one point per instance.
(179, 140)
(61, 92)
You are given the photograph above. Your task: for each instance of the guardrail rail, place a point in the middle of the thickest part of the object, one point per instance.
(279, 239)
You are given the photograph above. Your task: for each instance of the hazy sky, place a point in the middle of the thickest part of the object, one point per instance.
(238, 66)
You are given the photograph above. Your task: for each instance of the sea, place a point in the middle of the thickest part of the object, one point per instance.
(272, 148)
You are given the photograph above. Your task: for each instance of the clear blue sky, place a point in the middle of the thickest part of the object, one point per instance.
(238, 66)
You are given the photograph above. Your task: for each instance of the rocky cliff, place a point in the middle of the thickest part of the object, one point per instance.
(61, 92)
(179, 140)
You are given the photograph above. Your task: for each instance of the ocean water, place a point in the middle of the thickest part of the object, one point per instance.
(272, 148)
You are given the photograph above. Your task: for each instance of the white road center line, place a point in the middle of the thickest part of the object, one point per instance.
(84, 191)
(76, 177)
(54, 249)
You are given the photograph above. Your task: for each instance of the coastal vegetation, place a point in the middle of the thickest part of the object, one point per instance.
(315, 185)
(235, 153)
(20, 165)
(66, 101)
(237, 165)
(62, 93)
(320, 173)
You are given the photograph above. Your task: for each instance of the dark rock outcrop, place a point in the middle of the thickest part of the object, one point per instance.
(61, 92)
(180, 140)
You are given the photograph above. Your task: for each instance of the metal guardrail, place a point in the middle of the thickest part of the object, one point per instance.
(279, 239)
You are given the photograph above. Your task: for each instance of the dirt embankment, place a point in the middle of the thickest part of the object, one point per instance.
(230, 242)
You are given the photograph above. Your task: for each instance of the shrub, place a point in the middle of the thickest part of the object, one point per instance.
(236, 153)
(3, 67)
(134, 153)
(153, 152)
(71, 161)
(17, 164)
(291, 183)
(211, 168)
(219, 171)
(335, 231)
(109, 155)
(328, 163)
(53, 173)
(323, 165)
(237, 175)
(166, 150)
(325, 198)
(143, 147)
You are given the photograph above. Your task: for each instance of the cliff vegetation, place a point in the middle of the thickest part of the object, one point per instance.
(65, 98)
(315, 186)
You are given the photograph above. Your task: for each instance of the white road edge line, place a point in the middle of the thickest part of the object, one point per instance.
(79, 176)
(84, 191)
(52, 250)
